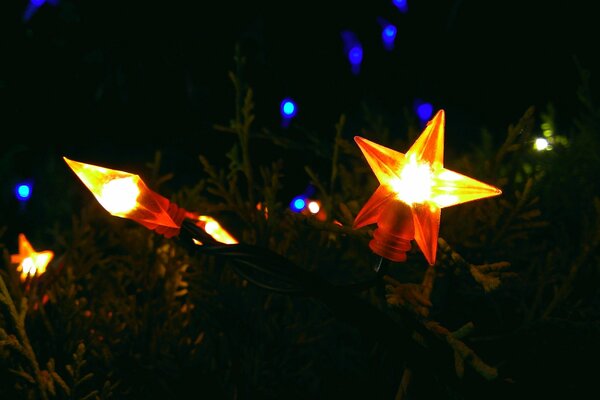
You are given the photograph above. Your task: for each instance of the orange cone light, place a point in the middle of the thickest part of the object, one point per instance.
(123, 194)
(413, 189)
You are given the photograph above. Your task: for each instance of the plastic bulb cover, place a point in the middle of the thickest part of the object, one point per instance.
(124, 195)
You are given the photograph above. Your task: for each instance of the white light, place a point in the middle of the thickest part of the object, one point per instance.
(119, 195)
(541, 144)
(414, 184)
(314, 207)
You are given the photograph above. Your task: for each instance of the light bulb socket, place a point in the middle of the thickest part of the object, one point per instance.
(394, 232)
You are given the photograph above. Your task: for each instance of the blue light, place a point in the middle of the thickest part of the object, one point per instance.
(353, 50)
(424, 111)
(401, 5)
(288, 108)
(298, 204)
(37, 3)
(355, 55)
(388, 35)
(23, 191)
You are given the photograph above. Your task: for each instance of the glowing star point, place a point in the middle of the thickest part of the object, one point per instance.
(30, 262)
(413, 188)
(124, 195)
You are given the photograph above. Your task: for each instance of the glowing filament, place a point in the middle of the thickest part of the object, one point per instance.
(119, 196)
(214, 229)
(30, 262)
(414, 184)
(34, 265)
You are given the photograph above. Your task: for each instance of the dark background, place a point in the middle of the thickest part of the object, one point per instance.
(111, 82)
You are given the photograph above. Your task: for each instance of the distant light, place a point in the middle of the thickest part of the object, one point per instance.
(402, 5)
(388, 34)
(353, 50)
(424, 111)
(37, 3)
(541, 144)
(355, 55)
(288, 108)
(314, 207)
(23, 191)
(298, 204)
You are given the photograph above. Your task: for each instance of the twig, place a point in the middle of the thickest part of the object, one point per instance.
(18, 318)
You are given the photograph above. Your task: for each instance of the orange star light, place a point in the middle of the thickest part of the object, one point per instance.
(30, 262)
(413, 189)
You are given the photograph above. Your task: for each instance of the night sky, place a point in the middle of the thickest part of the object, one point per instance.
(106, 82)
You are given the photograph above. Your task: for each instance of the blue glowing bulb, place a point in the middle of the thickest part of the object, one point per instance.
(424, 111)
(288, 108)
(355, 55)
(37, 3)
(389, 33)
(23, 191)
(298, 204)
(402, 5)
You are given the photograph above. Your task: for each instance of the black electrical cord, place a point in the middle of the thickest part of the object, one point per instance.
(270, 270)
(261, 266)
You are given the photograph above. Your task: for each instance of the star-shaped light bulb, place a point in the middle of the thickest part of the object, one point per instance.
(124, 195)
(30, 262)
(413, 189)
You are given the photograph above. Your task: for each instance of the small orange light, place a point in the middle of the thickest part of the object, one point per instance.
(30, 263)
(418, 180)
(214, 229)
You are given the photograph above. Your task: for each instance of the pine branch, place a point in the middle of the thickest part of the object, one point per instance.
(18, 320)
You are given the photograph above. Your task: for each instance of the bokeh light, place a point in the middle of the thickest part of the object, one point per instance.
(354, 50)
(424, 111)
(401, 5)
(23, 191)
(288, 108)
(388, 35)
(541, 144)
(297, 204)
